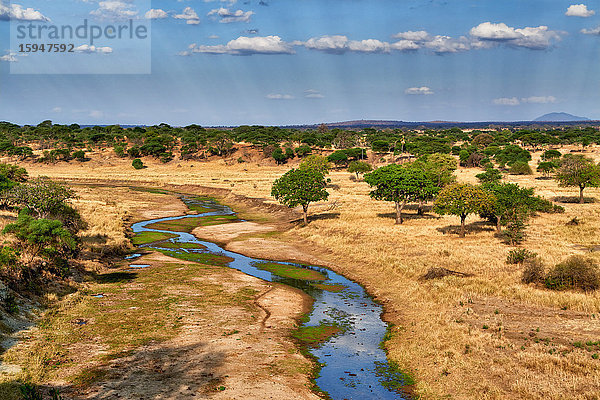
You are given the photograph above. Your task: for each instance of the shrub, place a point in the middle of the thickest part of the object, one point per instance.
(576, 272)
(533, 271)
(518, 256)
(137, 164)
(79, 155)
(520, 168)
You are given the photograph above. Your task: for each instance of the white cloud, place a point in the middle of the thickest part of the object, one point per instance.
(535, 38)
(17, 12)
(539, 99)
(227, 16)
(339, 44)
(213, 37)
(446, 44)
(594, 31)
(189, 15)
(579, 10)
(248, 46)
(156, 14)
(10, 57)
(423, 90)
(57, 110)
(506, 101)
(313, 94)
(415, 36)
(279, 96)
(86, 48)
(115, 10)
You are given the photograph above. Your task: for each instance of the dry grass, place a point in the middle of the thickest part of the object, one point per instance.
(462, 337)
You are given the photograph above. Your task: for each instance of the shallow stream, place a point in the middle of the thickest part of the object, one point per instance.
(354, 366)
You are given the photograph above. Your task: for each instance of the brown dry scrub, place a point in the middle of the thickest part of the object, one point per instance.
(486, 336)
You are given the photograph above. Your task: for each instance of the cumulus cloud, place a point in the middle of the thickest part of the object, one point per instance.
(594, 31)
(539, 99)
(10, 57)
(579, 10)
(17, 12)
(313, 94)
(535, 38)
(227, 16)
(156, 14)
(248, 46)
(189, 15)
(86, 48)
(506, 101)
(415, 36)
(419, 91)
(115, 10)
(279, 96)
(339, 44)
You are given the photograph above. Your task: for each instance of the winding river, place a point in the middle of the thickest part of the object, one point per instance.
(354, 366)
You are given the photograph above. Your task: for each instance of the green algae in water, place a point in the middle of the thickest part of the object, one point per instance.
(392, 377)
(203, 258)
(150, 237)
(291, 271)
(330, 287)
(179, 245)
(313, 336)
(188, 224)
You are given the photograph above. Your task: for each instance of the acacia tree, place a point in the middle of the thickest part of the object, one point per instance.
(577, 170)
(462, 199)
(401, 184)
(316, 162)
(359, 167)
(300, 188)
(41, 196)
(510, 201)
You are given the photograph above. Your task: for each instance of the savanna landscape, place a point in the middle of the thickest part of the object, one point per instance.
(506, 308)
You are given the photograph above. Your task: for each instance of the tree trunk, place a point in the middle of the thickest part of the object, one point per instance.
(305, 210)
(462, 225)
(399, 208)
(357, 176)
(581, 200)
(498, 225)
(420, 208)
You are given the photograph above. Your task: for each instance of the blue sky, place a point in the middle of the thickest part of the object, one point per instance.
(215, 62)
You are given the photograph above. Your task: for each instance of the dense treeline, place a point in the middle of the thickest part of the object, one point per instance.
(65, 142)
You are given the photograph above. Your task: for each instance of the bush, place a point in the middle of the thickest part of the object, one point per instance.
(79, 155)
(576, 272)
(520, 168)
(519, 256)
(533, 271)
(137, 164)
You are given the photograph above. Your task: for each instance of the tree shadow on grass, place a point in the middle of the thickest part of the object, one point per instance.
(115, 277)
(473, 227)
(406, 216)
(318, 217)
(573, 199)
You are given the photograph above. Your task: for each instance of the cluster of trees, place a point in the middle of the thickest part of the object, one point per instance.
(46, 226)
(430, 177)
(476, 148)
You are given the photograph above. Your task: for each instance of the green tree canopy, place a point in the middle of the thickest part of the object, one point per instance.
(580, 171)
(359, 167)
(317, 163)
(462, 199)
(491, 175)
(401, 184)
(299, 187)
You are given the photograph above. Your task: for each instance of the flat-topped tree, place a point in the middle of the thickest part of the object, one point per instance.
(580, 171)
(300, 188)
(462, 199)
(401, 184)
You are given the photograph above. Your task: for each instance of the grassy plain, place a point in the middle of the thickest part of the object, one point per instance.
(482, 337)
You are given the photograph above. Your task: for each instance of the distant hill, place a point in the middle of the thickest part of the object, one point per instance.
(560, 116)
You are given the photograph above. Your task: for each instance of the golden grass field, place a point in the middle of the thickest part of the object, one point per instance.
(483, 337)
